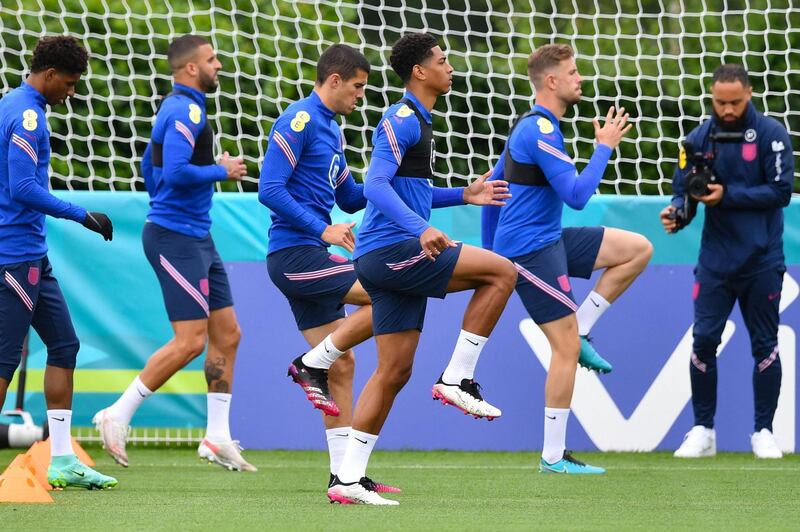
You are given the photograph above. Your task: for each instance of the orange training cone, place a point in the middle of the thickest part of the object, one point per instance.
(18, 484)
(25, 461)
(40, 453)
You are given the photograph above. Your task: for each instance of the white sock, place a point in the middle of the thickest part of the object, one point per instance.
(356, 456)
(60, 422)
(337, 445)
(127, 404)
(555, 434)
(217, 425)
(323, 355)
(465, 358)
(590, 311)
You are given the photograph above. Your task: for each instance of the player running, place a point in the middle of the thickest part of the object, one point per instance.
(543, 178)
(304, 174)
(401, 261)
(29, 293)
(180, 172)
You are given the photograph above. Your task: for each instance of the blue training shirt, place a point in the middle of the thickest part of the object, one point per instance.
(531, 218)
(304, 174)
(180, 192)
(398, 207)
(25, 196)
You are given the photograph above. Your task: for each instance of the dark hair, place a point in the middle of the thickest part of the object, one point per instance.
(62, 52)
(731, 73)
(412, 49)
(182, 49)
(340, 59)
(545, 58)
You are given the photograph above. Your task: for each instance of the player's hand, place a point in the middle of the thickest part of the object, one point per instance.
(716, 191)
(482, 192)
(667, 217)
(99, 223)
(234, 166)
(433, 242)
(615, 127)
(340, 235)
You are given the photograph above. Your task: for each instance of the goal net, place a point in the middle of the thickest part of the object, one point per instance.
(654, 57)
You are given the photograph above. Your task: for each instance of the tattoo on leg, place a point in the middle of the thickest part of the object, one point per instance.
(214, 369)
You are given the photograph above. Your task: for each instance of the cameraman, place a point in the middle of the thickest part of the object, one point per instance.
(746, 160)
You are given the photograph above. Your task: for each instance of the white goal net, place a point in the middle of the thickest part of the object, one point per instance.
(655, 57)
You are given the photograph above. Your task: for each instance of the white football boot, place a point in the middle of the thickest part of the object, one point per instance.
(466, 397)
(764, 445)
(361, 492)
(227, 454)
(114, 435)
(699, 442)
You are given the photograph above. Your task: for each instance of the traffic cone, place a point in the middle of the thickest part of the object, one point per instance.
(25, 461)
(40, 453)
(17, 484)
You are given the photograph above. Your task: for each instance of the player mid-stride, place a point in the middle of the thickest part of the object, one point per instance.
(29, 293)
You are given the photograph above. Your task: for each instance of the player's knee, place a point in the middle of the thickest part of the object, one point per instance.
(191, 347)
(506, 278)
(344, 367)
(643, 250)
(396, 377)
(65, 354)
(705, 348)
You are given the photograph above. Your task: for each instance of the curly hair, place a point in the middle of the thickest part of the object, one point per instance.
(412, 49)
(62, 52)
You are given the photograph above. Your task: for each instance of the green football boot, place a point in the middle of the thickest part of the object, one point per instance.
(69, 471)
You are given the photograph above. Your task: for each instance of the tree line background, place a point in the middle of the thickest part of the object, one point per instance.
(654, 57)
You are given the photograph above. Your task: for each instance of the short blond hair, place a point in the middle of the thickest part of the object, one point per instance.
(546, 58)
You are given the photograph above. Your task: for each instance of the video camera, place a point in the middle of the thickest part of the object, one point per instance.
(701, 175)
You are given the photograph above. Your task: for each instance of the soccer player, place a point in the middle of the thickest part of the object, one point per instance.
(542, 179)
(304, 174)
(180, 171)
(401, 260)
(29, 293)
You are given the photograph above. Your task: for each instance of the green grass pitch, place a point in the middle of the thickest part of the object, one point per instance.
(170, 489)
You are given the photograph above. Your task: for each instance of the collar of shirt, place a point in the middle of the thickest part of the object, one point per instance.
(425, 113)
(545, 111)
(316, 101)
(194, 94)
(38, 96)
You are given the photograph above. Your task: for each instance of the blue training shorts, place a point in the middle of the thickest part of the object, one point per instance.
(314, 281)
(30, 296)
(192, 277)
(399, 280)
(543, 280)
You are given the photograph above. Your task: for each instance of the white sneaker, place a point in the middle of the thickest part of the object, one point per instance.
(114, 435)
(466, 397)
(764, 445)
(361, 492)
(698, 443)
(227, 454)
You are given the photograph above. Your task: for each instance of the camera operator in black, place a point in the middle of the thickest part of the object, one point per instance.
(741, 252)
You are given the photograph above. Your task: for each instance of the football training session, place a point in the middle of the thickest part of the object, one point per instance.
(483, 264)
